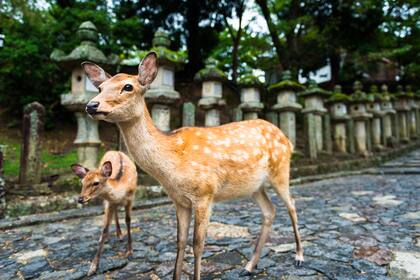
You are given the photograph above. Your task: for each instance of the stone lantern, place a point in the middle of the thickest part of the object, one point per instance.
(360, 116)
(250, 97)
(375, 109)
(338, 110)
(401, 105)
(82, 90)
(411, 116)
(211, 100)
(162, 94)
(287, 106)
(314, 105)
(389, 112)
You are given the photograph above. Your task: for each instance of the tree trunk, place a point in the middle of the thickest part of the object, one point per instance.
(335, 67)
(193, 43)
(236, 42)
(271, 28)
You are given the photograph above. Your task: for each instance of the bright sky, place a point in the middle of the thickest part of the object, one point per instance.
(252, 17)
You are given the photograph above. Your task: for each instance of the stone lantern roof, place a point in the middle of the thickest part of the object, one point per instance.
(401, 94)
(87, 50)
(338, 96)
(417, 94)
(410, 92)
(210, 72)
(248, 81)
(386, 98)
(286, 83)
(385, 95)
(359, 96)
(161, 44)
(314, 90)
(375, 98)
(374, 94)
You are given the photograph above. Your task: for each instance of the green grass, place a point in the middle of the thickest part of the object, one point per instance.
(51, 163)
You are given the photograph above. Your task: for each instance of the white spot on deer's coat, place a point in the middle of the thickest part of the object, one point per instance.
(193, 163)
(179, 141)
(196, 147)
(207, 150)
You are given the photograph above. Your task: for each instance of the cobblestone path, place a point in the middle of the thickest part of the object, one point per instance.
(357, 227)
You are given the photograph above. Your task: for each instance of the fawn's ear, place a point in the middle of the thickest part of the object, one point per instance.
(106, 169)
(96, 74)
(79, 170)
(148, 69)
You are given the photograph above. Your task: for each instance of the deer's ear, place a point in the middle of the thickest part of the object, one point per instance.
(148, 69)
(79, 170)
(106, 169)
(96, 74)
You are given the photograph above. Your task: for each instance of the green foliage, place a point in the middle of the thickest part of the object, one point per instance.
(351, 35)
(253, 48)
(32, 33)
(26, 74)
(52, 163)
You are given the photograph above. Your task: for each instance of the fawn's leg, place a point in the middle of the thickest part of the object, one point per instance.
(202, 216)
(183, 216)
(129, 251)
(117, 226)
(109, 212)
(281, 186)
(268, 212)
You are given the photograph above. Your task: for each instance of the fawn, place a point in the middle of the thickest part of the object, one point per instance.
(197, 166)
(115, 181)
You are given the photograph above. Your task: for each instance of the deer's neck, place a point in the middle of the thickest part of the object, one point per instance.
(150, 148)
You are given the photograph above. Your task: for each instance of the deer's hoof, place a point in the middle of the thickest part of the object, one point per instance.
(245, 273)
(120, 236)
(129, 253)
(298, 263)
(92, 269)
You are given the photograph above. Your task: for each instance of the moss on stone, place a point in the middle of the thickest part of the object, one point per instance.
(210, 72)
(313, 89)
(286, 85)
(249, 81)
(338, 97)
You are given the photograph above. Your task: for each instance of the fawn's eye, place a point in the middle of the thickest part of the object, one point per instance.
(128, 87)
(96, 183)
(99, 89)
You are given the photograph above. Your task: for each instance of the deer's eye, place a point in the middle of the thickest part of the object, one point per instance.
(96, 183)
(99, 89)
(128, 87)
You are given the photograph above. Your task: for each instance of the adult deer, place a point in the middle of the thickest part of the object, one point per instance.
(197, 166)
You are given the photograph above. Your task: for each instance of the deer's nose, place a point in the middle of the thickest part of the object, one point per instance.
(80, 200)
(92, 107)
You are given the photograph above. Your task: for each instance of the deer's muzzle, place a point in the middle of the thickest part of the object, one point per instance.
(92, 107)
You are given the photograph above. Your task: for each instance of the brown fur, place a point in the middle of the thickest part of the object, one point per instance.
(198, 166)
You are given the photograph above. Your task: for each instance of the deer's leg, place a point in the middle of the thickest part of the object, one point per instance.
(109, 212)
(202, 216)
(129, 251)
(183, 216)
(268, 212)
(117, 225)
(281, 186)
